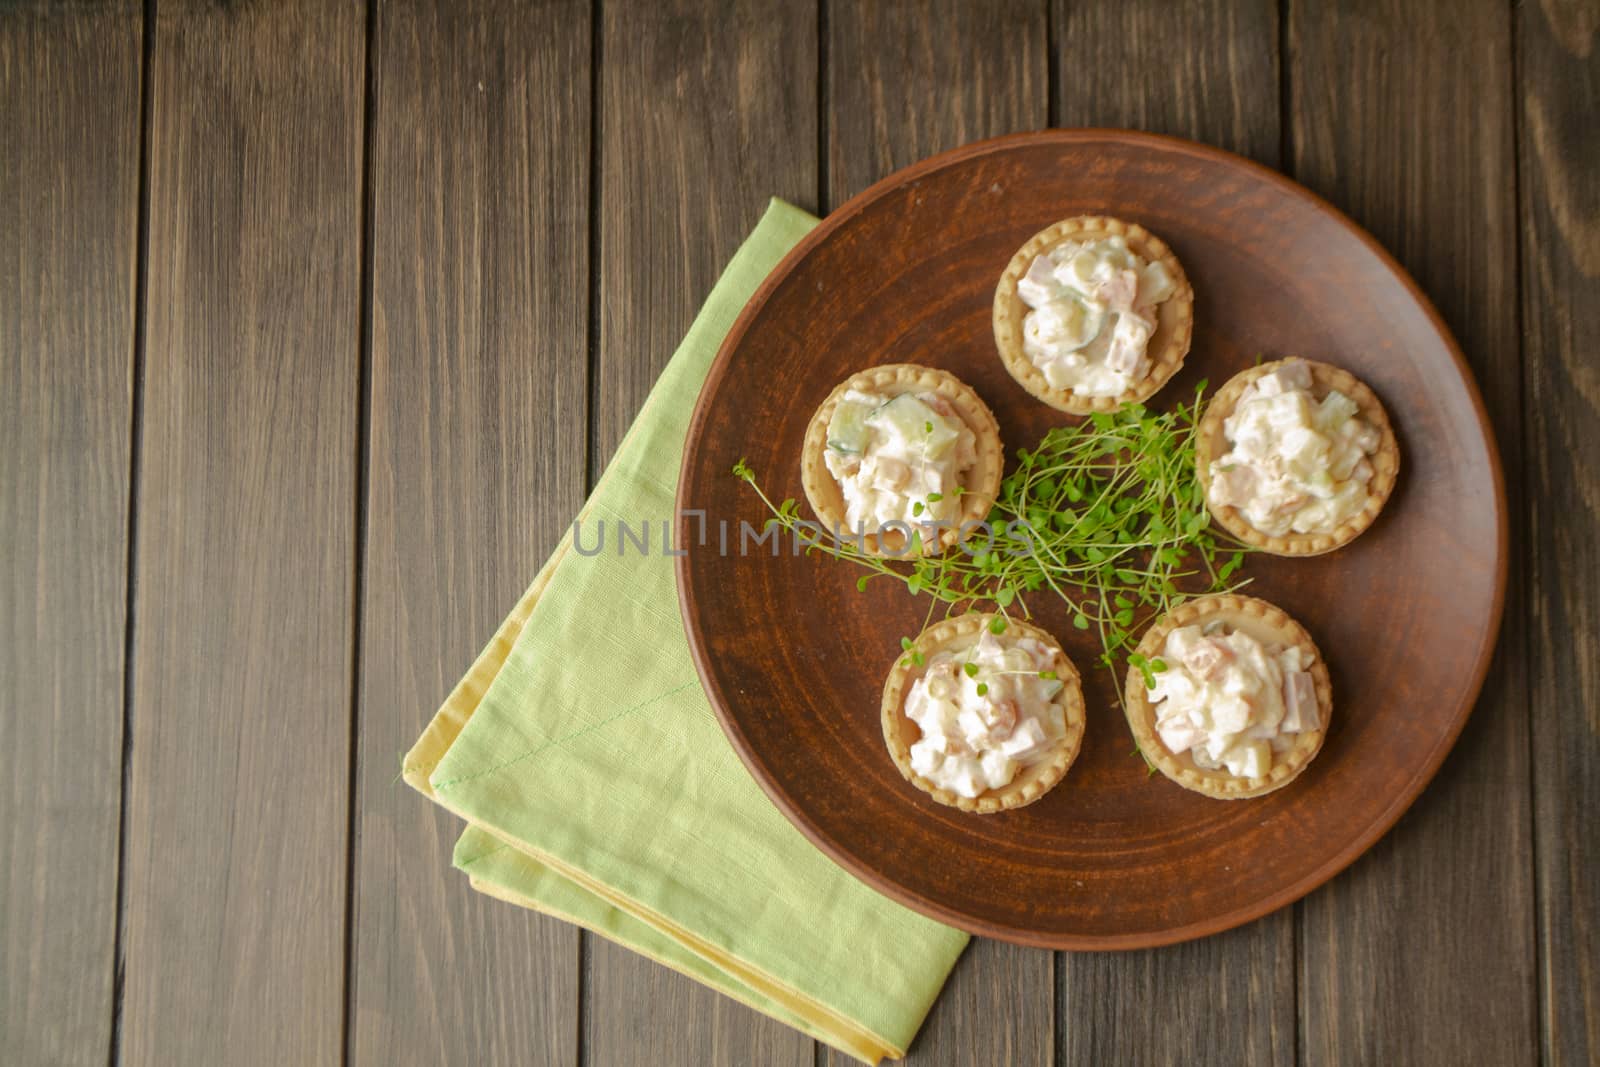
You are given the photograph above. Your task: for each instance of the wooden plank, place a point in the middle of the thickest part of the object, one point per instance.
(1207, 71)
(479, 266)
(705, 111)
(235, 870)
(907, 79)
(1423, 951)
(69, 189)
(1559, 61)
(1230, 996)
(965, 70)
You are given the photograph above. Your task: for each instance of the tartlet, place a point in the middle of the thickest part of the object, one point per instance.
(1211, 442)
(979, 484)
(1266, 623)
(1032, 781)
(1166, 348)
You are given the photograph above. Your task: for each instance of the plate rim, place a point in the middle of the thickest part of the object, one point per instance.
(1402, 799)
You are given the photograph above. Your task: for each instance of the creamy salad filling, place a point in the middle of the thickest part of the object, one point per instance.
(985, 713)
(1094, 309)
(898, 458)
(1297, 464)
(1231, 701)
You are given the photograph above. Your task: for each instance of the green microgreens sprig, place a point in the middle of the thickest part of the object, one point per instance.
(1107, 514)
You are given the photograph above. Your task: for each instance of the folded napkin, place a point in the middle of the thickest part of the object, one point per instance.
(599, 788)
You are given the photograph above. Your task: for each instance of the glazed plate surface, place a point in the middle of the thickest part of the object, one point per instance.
(793, 657)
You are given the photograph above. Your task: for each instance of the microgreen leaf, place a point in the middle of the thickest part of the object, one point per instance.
(1108, 514)
(971, 669)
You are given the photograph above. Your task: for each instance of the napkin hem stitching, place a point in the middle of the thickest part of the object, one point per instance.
(534, 751)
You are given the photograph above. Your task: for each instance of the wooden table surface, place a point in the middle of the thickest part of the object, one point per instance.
(317, 319)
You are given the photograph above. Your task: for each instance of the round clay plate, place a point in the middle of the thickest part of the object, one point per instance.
(793, 657)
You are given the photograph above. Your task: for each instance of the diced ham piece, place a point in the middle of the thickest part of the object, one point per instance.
(1026, 741)
(1002, 718)
(1128, 341)
(1119, 290)
(1233, 486)
(1300, 712)
(1207, 656)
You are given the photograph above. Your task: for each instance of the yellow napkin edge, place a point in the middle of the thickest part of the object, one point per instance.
(447, 724)
(833, 1031)
(501, 893)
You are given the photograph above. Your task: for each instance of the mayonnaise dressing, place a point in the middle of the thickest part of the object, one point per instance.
(976, 740)
(1231, 701)
(1296, 464)
(898, 458)
(1094, 309)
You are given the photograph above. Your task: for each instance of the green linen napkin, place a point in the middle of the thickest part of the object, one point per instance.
(599, 787)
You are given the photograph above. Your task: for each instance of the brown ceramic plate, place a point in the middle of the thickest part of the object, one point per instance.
(793, 657)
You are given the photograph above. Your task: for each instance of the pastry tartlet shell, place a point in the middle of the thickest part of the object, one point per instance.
(1174, 316)
(1266, 623)
(982, 482)
(1211, 441)
(900, 733)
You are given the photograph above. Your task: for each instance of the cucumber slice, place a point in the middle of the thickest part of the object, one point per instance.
(1336, 410)
(1094, 322)
(1072, 323)
(847, 430)
(915, 423)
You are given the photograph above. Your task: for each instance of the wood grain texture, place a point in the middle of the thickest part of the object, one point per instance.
(1207, 71)
(476, 458)
(1233, 994)
(705, 111)
(235, 857)
(1402, 116)
(907, 79)
(903, 82)
(1559, 60)
(69, 186)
